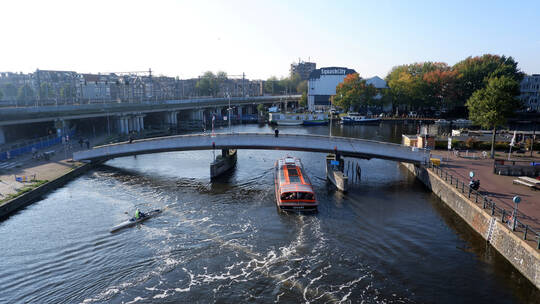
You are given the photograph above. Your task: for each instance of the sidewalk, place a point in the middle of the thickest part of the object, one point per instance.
(26, 166)
(497, 187)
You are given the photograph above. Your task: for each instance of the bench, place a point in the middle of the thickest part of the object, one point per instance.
(530, 180)
(524, 183)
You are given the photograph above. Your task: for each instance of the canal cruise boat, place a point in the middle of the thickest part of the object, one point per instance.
(292, 186)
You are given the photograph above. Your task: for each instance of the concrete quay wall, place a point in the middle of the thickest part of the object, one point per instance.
(522, 256)
(30, 197)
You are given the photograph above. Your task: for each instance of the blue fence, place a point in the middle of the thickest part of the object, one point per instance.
(38, 144)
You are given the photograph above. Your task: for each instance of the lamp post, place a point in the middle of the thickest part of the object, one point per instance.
(229, 113)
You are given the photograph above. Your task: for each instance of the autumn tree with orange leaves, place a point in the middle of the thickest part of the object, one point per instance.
(353, 93)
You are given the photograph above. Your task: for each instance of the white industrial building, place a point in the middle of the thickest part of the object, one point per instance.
(530, 92)
(322, 85)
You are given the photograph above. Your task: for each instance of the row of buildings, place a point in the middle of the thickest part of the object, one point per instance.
(322, 85)
(47, 86)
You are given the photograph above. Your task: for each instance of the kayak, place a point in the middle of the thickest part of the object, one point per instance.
(132, 221)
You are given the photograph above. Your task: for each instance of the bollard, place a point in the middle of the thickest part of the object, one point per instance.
(502, 218)
(484, 204)
(492, 208)
(446, 176)
(476, 197)
(538, 247)
(463, 188)
(450, 179)
(525, 234)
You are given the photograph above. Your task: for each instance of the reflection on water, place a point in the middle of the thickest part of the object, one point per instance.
(388, 240)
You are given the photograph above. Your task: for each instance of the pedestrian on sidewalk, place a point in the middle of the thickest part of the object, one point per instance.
(87, 144)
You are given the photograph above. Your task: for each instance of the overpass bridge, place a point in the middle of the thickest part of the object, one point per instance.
(21, 115)
(345, 146)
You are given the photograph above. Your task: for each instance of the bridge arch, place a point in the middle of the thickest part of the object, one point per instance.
(351, 147)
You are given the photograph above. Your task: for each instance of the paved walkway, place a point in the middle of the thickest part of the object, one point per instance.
(26, 166)
(498, 187)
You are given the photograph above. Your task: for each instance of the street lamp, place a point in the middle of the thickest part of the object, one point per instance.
(229, 96)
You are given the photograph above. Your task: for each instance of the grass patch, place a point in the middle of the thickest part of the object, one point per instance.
(23, 190)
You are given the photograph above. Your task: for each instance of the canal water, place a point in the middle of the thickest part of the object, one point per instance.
(389, 240)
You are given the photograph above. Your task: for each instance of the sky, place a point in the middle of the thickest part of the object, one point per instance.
(261, 38)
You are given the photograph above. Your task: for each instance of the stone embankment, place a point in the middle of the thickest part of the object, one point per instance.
(524, 257)
(29, 197)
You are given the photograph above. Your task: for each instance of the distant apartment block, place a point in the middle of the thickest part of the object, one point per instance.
(303, 69)
(67, 87)
(530, 92)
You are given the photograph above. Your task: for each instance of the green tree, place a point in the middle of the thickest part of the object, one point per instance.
(410, 84)
(491, 106)
(45, 91)
(273, 86)
(10, 91)
(261, 110)
(208, 84)
(475, 71)
(303, 100)
(67, 92)
(302, 87)
(25, 93)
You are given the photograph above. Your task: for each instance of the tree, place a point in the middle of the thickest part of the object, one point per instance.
(25, 93)
(67, 92)
(302, 87)
(475, 71)
(45, 91)
(354, 93)
(273, 86)
(491, 106)
(208, 84)
(441, 87)
(412, 85)
(10, 91)
(261, 110)
(303, 100)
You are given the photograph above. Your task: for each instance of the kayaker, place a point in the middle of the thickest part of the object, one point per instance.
(138, 214)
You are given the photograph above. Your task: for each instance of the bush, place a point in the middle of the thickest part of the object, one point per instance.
(470, 143)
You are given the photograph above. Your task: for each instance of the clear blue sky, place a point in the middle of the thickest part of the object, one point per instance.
(261, 38)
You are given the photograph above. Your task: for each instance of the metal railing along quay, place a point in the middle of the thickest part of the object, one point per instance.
(487, 204)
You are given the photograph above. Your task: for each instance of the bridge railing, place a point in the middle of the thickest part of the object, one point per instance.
(488, 205)
(155, 101)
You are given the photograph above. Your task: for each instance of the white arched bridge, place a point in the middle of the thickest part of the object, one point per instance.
(351, 147)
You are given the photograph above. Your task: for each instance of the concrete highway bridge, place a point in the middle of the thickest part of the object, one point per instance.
(350, 147)
(126, 117)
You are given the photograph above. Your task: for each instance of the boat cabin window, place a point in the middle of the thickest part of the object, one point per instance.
(305, 196)
(288, 196)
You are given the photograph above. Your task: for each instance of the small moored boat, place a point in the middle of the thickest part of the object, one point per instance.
(354, 118)
(292, 186)
(132, 221)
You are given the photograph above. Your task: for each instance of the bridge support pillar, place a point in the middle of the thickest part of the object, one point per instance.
(123, 124)
(171, 118)
(240, 114)
(141, 122)
(2, 136)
